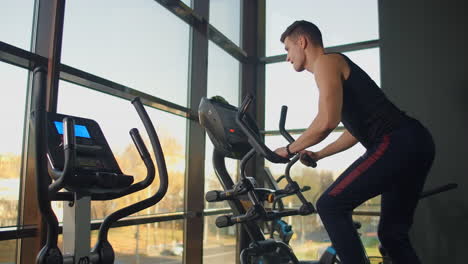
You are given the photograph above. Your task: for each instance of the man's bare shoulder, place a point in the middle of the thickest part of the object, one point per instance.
(330, 60)
(332, 64)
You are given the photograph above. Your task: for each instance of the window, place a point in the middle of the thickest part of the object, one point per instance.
(139, 44)
(225, 17)
(8, 251)
(116, 117)
(149, 243)
(159, 242)
(336, 19)
(223, 75)
(16, 19)
(12, 109)
(298, 91)
(219, 244)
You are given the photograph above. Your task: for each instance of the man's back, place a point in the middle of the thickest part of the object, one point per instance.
(366, 112)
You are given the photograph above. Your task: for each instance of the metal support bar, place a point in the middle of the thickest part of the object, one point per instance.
(9, 233)
(20, 57)
(97, 83)
(198, 21)
(28, 60)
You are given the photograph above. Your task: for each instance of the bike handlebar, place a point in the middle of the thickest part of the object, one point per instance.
(284, 110)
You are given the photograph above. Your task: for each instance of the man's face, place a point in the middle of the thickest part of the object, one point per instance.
(295, 52)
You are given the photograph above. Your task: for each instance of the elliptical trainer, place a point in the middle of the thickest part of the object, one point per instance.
(72, 154)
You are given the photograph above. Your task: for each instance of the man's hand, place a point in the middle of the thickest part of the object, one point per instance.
(313, 155)
(282, 152)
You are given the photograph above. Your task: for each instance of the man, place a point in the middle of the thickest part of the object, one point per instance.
(399, 150)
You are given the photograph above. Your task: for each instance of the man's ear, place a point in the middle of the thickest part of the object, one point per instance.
(303, 41)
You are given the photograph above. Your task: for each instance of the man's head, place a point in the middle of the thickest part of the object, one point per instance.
(298, 37)
(303, 28)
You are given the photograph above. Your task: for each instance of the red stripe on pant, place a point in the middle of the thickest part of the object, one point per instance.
(365, 165)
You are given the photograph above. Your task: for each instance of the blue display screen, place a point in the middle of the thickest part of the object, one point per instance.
(80, 131)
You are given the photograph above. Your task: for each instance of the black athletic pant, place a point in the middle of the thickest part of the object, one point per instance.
(396, 167)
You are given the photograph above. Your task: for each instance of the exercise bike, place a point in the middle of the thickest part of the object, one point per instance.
(235, 135)
(75, 164)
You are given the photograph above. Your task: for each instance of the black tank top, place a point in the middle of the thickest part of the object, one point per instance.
(367, 113)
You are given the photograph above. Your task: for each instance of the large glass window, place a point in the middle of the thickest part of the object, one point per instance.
(219, 244)
(149, 243)
(139, 44)
(13, 110)
(225, 17)
(159, 242)
(298, 91)
(336, 19)
(116, 117)
(223, 75)
(8, 251)
(16, 23)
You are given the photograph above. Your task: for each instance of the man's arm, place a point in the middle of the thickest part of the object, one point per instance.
(328, 76)
(344, 142)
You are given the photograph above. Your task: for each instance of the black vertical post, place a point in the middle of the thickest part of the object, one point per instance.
(195, 176)
(46, 42)
(253, 79)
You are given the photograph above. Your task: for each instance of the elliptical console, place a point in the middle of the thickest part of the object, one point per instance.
(96, 166)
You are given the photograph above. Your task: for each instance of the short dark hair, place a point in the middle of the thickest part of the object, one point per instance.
(302, 27)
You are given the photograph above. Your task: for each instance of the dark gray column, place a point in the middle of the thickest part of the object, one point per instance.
(423, 57)
(46, 42)
(253, 81)
(195, 176)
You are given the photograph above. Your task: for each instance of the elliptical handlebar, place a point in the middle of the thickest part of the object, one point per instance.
(162, 171)
(282, 123)
(69, 148)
